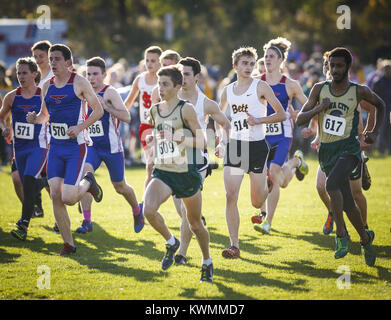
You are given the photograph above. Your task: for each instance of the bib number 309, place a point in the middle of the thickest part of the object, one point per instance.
(167, 149)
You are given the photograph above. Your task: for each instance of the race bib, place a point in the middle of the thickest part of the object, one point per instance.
(239, 124)
(59, 131)
(96, 129)
(144, 115)
(166, 149)
(24, 130)
(272, 129)
(334, 125)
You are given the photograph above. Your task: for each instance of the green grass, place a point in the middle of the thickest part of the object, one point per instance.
(295, 262)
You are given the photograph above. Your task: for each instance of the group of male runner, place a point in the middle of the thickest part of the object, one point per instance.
(72, 124)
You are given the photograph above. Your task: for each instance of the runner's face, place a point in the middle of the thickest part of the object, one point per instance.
(189, 80)
(41, 57)
(261, 68)
(166, 88)
(245, 66)
(152, 62)
(272, 60)
(25, 76)
(338, 68)
(58, 63)
(95, 76)
(168, 62)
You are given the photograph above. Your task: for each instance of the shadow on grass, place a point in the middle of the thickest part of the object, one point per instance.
(6, 257)
(103, 257)
(35, 244)
(328, 243)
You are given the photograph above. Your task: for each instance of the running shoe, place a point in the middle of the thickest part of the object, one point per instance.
(95, 188)
(299, 175)
(37, 213)
(329, 224)
(341, 247)
(180, 260)
(264, 227)
(231, 253)
(367, 250)
(139, 219)
(258, 218)
(203, 220)
(303, 168)
(168, 258)
(207, 273)
(86, 226)
(67, 249)
(20, 234)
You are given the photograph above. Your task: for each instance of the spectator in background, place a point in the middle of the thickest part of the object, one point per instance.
(356, 71)
(260, 68)
(115, 75)
(382, 88)
(5, 82)
(11, 74)
(205, 83)
(375, 74)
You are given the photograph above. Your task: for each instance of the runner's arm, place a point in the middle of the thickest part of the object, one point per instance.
(89, 95)
(43, 115)
(312, 107)
(212, 108)
(366, 94)
(265, 91)
(4, 113)
(113, 104)
(190, 118)
(132, 94)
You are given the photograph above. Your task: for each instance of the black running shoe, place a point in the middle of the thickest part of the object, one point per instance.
(20, 234)
(299, 175)
(179, 260)
(95, 188)
(203, 220)
(168, 258)
(366, 177)
(207, 273)
(38, 212)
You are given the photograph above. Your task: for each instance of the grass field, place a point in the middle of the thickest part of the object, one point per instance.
(295, 262)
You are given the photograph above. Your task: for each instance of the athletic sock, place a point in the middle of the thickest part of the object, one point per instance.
(136, 210)
(38, 199)
(29, 191)
(41, 183)
(207, 261)
(171, 241)
(87, 215)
